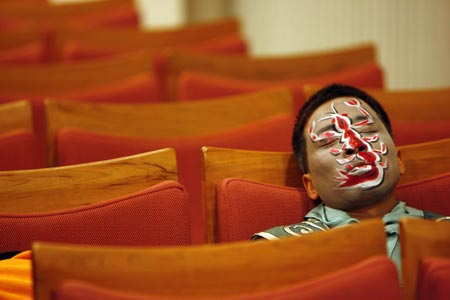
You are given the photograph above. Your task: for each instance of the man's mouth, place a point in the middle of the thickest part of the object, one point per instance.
(359, 170)
(360, 174)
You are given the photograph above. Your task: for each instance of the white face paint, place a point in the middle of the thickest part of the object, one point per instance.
(351, 155)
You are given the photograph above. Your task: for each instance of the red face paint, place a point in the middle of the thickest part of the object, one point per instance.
(361, 165)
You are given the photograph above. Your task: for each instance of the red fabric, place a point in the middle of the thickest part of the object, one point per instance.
(406, 133)
(193, 85)
(374, 278)
(434, 276)
(18, 150)
(429, 194)
(245, 207)
(157, 215)
(138, 88)
(29, 53)
(272, 134)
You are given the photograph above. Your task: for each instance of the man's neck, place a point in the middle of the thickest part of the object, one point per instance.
(377, 210)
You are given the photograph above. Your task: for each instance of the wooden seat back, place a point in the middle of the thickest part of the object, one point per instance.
(272, 67)
(425, 160)
(208, 270)
(46, 80)
(164, 120)
(409, 105)
(150, 39)
(419, 239)
(14, 115)
(48, 189)
(82, 14)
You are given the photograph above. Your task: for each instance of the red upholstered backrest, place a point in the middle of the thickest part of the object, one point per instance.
(157, 215)
(18, 150)
(245, 207)
(429, 194)
(374, 278)
(434, 276)
(406, 133)
(193, 85)
(272, 134)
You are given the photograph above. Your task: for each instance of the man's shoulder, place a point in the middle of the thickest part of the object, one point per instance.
(308, 226)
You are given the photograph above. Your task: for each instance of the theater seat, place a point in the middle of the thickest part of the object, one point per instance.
(195, 85)
(78, 146)
(374, 278)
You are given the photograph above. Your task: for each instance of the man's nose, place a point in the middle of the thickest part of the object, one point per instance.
(356, 149)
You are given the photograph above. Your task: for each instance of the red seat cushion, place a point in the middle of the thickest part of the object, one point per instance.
(434, 276)
(429, 194)
(245, 207)
(157, 215)
(193, 85)
(272, 134)
(18, 150)
(375, 278)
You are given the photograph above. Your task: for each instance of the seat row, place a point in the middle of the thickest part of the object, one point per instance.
(137, 201)
(347, 262)
(87, 132)
(240, 188)
(414, 116)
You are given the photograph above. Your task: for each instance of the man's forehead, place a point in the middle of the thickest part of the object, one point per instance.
(341, 107)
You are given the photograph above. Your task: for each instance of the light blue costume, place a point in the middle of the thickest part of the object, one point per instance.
(322, 218)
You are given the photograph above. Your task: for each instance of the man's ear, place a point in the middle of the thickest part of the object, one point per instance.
(309, 186)
(401, 165)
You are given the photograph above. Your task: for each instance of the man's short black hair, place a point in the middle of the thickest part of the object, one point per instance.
(326, 94)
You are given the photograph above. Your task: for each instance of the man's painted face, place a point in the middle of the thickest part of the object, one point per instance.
(351, 155)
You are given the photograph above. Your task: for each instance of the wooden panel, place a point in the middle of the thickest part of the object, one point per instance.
(43, 80)
(409, 105)
(47, 189)
(419, 239)
(14, 115)
(57, 13)
(272, 67)
(208, 270)
(167, 119)
(425, 160)
(150, 39)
